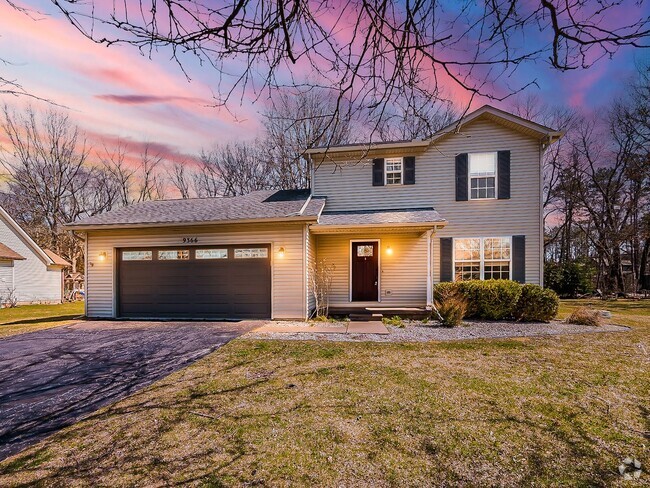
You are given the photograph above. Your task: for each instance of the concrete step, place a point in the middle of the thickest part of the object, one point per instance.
(365, 317)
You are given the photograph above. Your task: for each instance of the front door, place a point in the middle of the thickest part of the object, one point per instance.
(365, 271)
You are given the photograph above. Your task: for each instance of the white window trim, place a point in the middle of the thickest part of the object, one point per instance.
(482, 256)
(401, 172)
(496, 178)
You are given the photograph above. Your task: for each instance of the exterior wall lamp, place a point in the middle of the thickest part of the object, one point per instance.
(389, 251)
(102, 256)
(281, 252)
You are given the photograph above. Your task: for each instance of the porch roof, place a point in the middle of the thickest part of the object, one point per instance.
(405, 219)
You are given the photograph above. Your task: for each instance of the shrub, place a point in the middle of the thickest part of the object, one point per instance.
(569, 279)
(490, 299)
(536, 304)
(585, 316)
(395, 321)
(452, 306)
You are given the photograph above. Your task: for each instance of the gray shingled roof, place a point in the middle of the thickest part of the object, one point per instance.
(381, 217)
(259, 205)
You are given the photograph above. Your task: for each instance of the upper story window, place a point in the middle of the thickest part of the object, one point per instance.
(394, 171)
(482, 175)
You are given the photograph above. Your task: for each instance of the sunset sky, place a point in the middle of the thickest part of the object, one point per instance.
(115, 92)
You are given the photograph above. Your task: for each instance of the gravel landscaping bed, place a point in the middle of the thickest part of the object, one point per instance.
(417, 332)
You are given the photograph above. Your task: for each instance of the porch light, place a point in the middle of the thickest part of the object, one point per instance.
(102, 256)
(389, 250)
(281, 252)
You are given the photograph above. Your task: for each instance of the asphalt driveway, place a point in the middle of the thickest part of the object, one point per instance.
(54, 377)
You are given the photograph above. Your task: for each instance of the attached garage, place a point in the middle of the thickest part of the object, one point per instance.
(195, 282)
(205, 258)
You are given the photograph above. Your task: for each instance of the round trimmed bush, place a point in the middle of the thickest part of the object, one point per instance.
(536, 304)
(502, 299)
(490, 299)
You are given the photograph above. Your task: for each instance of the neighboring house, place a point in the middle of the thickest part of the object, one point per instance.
(29, 273)
(393, 218)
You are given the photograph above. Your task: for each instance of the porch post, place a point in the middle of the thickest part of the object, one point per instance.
(429, 273)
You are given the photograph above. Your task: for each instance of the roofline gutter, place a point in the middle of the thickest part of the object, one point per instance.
(316, 228)
(368, 147)
(84, 228)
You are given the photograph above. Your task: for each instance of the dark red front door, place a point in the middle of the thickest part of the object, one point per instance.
(365, 271)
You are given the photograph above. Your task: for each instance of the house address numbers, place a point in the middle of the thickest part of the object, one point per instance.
(190, 240)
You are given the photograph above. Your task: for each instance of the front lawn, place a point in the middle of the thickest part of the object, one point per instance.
(28, 318)
(548, 411)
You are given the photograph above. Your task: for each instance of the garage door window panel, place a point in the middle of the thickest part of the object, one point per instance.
(174, 255)
(251, 253)
(137, 255)
(211, 254)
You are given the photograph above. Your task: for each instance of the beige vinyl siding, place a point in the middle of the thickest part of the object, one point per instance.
(350, 188)
(310, 247)
(288, 291)
(403, 275)
(33, 280)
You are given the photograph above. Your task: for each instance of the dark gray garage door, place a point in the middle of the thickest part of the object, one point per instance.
(195, 282)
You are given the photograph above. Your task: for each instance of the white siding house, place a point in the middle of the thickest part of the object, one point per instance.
(31, 274)
(391, 220)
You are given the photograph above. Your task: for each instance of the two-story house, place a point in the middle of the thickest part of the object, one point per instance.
(392, 218)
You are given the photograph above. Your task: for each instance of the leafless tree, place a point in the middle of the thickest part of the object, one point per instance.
(236, 169)
(297, 120)
(180, 178)
(369, 52)
(50, 179)
(321, 274)
(414, 119)
(151, 184)
(122, 175)
(134, 181)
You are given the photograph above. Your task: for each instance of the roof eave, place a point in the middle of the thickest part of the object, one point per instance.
(147, 225)
(325, 228)
(367, 148)
(543, 131)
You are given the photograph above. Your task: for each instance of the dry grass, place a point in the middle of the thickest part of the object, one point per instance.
(585, 316)
(552, 411)
(29, 318)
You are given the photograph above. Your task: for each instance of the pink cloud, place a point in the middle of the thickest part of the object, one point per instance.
(146, 99)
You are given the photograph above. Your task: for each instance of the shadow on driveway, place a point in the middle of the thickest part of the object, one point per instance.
(54, 377)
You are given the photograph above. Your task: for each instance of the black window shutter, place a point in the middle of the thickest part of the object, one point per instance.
(446, 247)
(519, 258)
(503, 173)
(461, 177)
(378, 172)
(409, 170)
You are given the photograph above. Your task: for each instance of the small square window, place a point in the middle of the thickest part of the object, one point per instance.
(365, 251)
(394, 171)
(173, 255)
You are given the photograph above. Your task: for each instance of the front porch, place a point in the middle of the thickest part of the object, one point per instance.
(378, 312)
(382, 262)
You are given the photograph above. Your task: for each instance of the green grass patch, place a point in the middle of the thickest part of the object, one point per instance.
(28, 318)
(541, 411)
